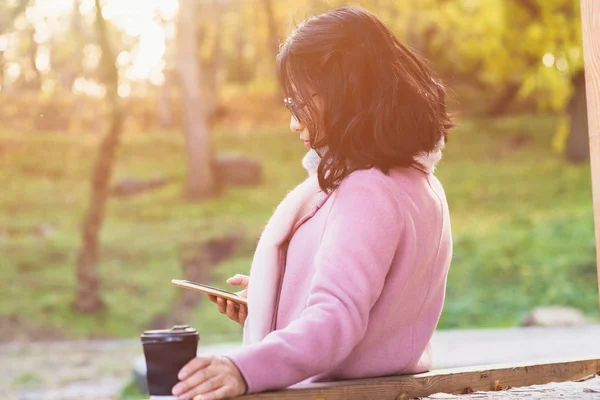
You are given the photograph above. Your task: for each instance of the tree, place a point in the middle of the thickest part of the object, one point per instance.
(8, 14)
(498, 55)
(577, 148)
(200, 177)
(273, 31)
(88, 297)
(209, 36)
(72, 55)
(35, 82)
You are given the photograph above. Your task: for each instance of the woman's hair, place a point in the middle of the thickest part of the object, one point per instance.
(381, 103)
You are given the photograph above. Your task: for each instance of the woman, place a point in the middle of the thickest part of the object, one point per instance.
(349, 276)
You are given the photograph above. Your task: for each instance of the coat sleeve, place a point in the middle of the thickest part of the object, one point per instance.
(359, 240)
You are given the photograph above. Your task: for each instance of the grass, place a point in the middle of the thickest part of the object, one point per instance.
(522, 224)
(132, 392)
(27, 378)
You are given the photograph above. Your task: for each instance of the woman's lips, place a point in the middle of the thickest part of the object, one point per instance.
(306, 143)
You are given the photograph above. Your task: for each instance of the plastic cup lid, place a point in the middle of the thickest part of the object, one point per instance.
(177, 332)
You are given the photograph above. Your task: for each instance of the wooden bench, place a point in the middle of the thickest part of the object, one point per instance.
(453, 381)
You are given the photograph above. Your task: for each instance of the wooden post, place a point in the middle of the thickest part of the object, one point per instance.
(590, 25)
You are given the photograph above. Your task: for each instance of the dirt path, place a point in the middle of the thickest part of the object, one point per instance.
(87, 370)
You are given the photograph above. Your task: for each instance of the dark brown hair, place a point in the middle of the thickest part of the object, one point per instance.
(382, 104)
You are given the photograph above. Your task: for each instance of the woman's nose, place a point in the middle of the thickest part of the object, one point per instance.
(295, 125)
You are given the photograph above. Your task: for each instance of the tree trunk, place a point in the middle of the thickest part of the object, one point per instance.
(88, 299)
(36, 82)
(164, 104)
(274, 37)
(241, 72)
(210, 69)
(577, 148)
(273, 32)
(503, 101)
(200, 182)
(212, 76)
(75, 60)
(165, 109)
(2, 64)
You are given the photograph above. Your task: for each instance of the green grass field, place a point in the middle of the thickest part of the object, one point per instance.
(522, 224)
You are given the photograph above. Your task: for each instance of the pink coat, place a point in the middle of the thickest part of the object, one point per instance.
(358, 283)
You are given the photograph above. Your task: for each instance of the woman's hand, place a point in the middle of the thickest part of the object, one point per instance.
(236, 312)
(209, 378)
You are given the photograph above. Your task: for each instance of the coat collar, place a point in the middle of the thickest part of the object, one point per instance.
(426, 162)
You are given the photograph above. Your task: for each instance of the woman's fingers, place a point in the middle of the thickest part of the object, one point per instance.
(242, 314)
(224, 392)
(212, 298)
(200, 372)
(222, 305)
(196, 364)
(216, 378)
(232, 310)
(201, 387)
(238, 280)
(236, 312)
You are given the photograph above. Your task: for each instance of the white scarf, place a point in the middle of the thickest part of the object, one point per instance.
(269, 258)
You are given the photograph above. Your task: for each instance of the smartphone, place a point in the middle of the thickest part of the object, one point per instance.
(210, 290)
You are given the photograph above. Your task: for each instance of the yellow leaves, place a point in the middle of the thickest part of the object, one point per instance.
(528, 87)
(560, 137)
(556, 88)
(534, 32)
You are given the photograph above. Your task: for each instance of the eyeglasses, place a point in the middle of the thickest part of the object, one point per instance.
(294, 107)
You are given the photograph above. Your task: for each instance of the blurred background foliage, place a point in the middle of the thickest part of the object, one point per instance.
(498, 57)
(521, 211)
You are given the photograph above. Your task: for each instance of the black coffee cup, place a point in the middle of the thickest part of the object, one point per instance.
(166, 352)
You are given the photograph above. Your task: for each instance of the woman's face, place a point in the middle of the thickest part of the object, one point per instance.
(298, 127)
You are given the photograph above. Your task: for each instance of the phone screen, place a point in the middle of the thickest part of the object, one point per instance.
(210, 290)
(210, 287)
